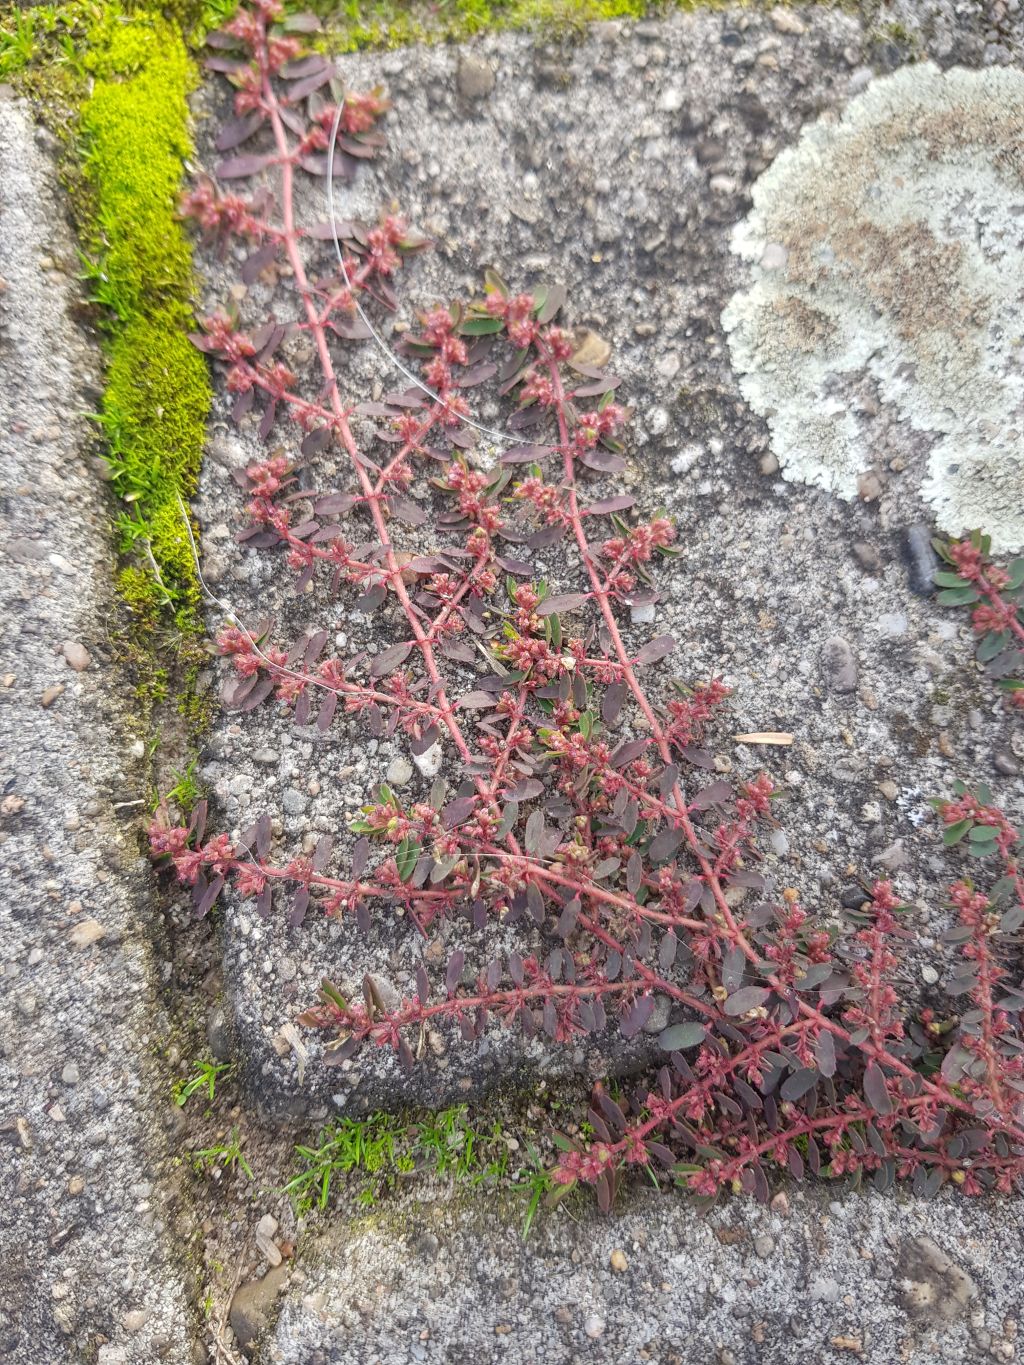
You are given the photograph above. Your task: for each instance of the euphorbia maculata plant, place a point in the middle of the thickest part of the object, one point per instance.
(579, 805)
(995, 596)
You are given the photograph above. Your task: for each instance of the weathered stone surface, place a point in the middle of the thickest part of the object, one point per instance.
(437, 1283)
(549, 181)
(619, 167)
(85, 1268)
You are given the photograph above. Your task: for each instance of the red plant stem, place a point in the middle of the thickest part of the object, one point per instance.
(600, 593)
(882, 1054)
(982, 996)
(994, 595)
(506, 871)
(320, 338)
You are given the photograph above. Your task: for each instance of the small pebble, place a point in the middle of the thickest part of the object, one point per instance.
(785, 21)
(475, 78)
(265, 1230)
(76, 656)
(839, 665)
(921, 560)
(1005, 763)
(869, 486)
(764, 1245)
(50, 695)
(70, 1073)
(85, 932)
(893, 624)
(892, 858)
(429, 762)
(618, 1261)
(774, 257)
(593, 1326)
(867, 556)
(825, 1289)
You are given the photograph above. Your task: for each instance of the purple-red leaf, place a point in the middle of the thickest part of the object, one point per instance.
(255, 264)
(656, 649)
(307, 84)
(636, 1016)
(611, 702)
(389, 659)
(796, 1086)
(875, 1091)
(746, 998)
(713, 795)
(455, 965)
(227, 65)
(238, 167)
(208, 897)
(617, 504)
(239, 130)
(568, 601)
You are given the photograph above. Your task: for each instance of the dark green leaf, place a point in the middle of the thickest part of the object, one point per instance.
(481, 327)
(954, 833)
(679, 1036)
(957, 597)
(992, 644)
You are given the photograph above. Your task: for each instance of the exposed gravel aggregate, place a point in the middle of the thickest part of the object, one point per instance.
(864, 1278)
(86, 1223)
(619, 164)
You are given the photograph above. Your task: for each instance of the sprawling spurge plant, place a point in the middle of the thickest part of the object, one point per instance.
(996, 598)
(578, 811)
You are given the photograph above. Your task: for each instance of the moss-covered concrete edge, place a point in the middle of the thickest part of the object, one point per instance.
(113, 82)
(134, 139)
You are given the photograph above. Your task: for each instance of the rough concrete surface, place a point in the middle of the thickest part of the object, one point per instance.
(620, 165)
(88, 1271)
(866, 1278)
(544, 176)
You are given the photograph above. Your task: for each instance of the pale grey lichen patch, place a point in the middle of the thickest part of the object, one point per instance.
(888, 253)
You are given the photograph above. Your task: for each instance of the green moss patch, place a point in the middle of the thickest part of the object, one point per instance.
(134, 127)
(356, 24)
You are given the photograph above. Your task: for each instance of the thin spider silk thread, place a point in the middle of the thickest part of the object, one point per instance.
(379, 341)
(233, 615)
(505, 437)
(389, 355)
